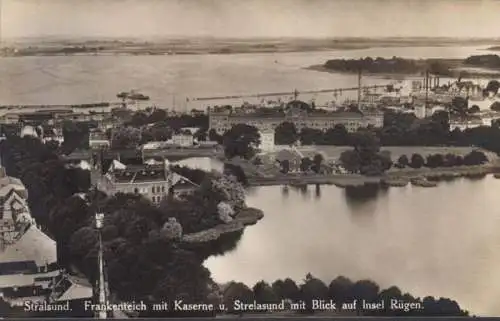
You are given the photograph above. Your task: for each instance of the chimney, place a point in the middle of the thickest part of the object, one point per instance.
(2, 172)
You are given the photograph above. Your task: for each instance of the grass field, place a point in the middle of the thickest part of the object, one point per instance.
(333, 152)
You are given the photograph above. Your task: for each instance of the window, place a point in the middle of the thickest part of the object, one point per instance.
(153, 189)
(163, 189)
(136, 190)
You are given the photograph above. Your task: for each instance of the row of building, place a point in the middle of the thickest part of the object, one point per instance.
(28, 257)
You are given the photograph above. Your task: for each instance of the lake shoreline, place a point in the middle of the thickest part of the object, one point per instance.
(396, 75)
(396, 178)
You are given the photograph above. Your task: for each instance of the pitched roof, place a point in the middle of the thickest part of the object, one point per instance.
(72, 288)
(33, 245)
(181, 182)
(137, 173)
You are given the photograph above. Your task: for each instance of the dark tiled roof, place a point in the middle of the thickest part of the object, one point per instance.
(17, 267)
(139, 173)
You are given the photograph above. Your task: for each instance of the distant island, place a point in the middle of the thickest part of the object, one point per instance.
(62, 47)
(478, 65)
(494, 48)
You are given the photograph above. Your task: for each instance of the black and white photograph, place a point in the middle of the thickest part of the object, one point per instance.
(249, 158)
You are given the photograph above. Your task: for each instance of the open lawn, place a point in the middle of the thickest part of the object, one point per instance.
(333, 152)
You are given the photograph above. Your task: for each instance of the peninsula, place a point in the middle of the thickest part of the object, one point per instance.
(477, 65)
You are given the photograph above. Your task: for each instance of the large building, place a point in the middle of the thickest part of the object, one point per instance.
(297, 112)
(154, 181)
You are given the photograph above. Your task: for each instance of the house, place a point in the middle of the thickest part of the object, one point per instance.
(463, 125)
(153, 180)
(28, 257)
(71, 290)
(98, 139)
(183, 139)
(181, 186)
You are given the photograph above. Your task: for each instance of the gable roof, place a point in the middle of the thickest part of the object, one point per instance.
(181, 182)
(32, 245)
(72, 288)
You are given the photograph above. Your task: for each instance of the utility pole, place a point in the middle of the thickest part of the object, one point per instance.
(426, 89)
(102, 314)
(359, 89)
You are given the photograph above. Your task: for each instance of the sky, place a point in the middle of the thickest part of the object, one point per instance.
(250, 18)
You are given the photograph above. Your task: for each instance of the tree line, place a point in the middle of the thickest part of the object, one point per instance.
(399, 129)
(342, 291)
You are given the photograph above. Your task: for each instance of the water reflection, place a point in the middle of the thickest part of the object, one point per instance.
(359, 195)
(285, 191)
(440, 241)
(317, 193)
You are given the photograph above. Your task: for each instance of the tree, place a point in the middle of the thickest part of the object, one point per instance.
(286, 134)
(286, 289)
(493, 86)
(459, 106)
(76, 136)
(313, 289)
(474, 109)
(475, 158)
(435, 160)
(311, 136)
(340, 290)
(495, 106)
(403, 161)
(337, 135)
(365, 290)
(241, 140)
(417, 161)
(264, 293)
(126, 138)
(350, 160)
(317, 162)
(237, 291)
(305, 164)
(285, 166)
(214, 136)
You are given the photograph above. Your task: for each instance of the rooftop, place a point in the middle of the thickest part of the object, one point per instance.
(137, 173)
(33, 245)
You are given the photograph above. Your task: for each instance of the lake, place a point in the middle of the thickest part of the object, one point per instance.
(442, 241)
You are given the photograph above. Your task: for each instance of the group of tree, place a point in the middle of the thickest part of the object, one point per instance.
(366, 158)
(306, 164)
(341, 291)
(485, 61)
(399, 129)
(145, 255)
(439, 160)
(377, 65)
(241, 140)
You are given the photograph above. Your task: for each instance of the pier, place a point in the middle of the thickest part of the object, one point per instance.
(291, 93)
